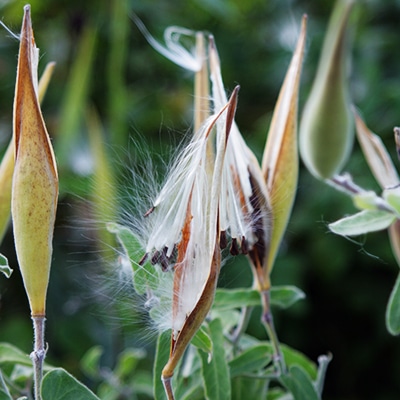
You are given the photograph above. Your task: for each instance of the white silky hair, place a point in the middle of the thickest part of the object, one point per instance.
(189, 186)
(173, 49)
(187, 205)
(240, 167)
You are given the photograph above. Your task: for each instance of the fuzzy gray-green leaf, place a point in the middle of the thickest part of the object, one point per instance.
(363, 222)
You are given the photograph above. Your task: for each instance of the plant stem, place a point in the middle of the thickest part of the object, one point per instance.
(38, 354)
(268, 322)
(167, 382)
(345, 184)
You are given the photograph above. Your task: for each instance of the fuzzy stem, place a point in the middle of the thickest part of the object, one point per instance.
(39, 353)
(345, 184)
(268, 322)
(167, 382)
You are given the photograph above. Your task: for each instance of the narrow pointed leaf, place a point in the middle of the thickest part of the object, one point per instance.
(362, 222)
(393, 310)
(215, 372)
(280, 160)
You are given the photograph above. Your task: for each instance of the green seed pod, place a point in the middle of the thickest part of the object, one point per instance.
(326, 130)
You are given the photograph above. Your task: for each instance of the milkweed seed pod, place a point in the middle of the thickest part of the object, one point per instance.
(35, 179)
(326, 129)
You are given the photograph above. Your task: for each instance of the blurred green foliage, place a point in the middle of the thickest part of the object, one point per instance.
(109, 81)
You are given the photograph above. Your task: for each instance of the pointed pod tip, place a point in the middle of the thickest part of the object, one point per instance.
(231, 111)
(26, 29)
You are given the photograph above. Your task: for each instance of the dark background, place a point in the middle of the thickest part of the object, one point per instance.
(139, 96)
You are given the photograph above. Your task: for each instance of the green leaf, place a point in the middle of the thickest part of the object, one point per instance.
(296, 358)
(278, 393)
(142, 383)
(282, 296)
(13, 355)
(292, 356)
(298, 382)
(392, 196)
(226, 299)
(362, 222)
(215, 372)
(4, 267)
(128, 361)
(229, 318)
(285, 296)
(161, 358)
(202, 341)
(144, 277)
(393, 310)
(251, 360)
(189, 385)
(90, 362)
(249, 388)
(367, 200)
(4, 396)
(21, 373)
(4, 392)
(59, 384)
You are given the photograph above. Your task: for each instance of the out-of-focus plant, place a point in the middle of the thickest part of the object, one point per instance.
(326, 137)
